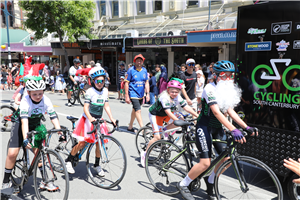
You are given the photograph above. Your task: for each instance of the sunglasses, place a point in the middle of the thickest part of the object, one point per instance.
(191, 64)
(99, 81)
(223, 76)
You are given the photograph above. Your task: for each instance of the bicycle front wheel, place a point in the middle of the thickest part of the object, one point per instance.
(48, 183)
(113, 163)
(6, 113)
(256, 180)
(62, 148)
(81, 97)
(142, 138)
(166, 165)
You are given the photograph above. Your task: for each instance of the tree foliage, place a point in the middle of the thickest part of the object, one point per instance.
(70, 18)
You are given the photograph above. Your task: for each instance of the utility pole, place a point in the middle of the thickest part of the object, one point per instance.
(8, 43)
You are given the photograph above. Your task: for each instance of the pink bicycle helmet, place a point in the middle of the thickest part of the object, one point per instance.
(174, 84)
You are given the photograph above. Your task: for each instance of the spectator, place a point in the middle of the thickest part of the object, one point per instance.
(190, 78)
(3, 78)
(15, 71)
(153, 87)
(58, 82)
(51, 84)
(121, 72)
(158, 72)
(163, 80)
(182, 69)
(107, 79)
(210, 68)
(92, 63)
(9, 79)
(198, 67)
(294, 166)
(122, 86)
(199, 87)
(135, 86)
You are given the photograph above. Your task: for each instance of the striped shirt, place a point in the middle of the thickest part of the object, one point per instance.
(121, 73)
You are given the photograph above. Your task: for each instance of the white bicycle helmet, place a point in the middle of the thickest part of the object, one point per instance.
(35, 83)
(96, 71)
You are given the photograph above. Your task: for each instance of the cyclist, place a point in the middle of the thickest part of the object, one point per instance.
(163, 111)
(73, 78)
(27, 118)
(96, 98)
(211, 115)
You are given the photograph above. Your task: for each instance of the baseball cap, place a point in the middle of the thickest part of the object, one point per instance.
(190, 60)
(139, 56)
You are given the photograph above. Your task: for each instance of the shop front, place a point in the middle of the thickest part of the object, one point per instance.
(213, 45)
(159, 50)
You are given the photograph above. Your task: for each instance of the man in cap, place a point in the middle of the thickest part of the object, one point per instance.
(190, 79)
(136, 84)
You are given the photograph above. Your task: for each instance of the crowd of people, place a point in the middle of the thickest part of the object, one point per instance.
(209, 101)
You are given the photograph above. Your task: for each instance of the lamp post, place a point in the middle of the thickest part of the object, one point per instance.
(8, 43)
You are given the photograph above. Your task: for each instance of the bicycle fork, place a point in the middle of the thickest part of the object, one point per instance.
(239, 173)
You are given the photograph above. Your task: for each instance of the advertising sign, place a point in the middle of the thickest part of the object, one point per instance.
(268, 61)
(160, 41)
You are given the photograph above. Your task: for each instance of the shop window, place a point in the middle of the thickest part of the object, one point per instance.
(157, 5)
(115, 8)
(11, 18)
(141, 6)
(193, 3)
(102, 8)
(125, 8)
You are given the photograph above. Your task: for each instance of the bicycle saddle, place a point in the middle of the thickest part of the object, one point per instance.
(72, 119)
(182, 123)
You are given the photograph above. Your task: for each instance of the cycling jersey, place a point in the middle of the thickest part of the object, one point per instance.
(96, 99)
(137, 80)
(35, 111)
(164, 102)
(72, 72)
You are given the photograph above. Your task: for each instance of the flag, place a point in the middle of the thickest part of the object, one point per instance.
(21, 70)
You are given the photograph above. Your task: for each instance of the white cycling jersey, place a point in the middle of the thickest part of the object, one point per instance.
(96, 99)
(72, 72)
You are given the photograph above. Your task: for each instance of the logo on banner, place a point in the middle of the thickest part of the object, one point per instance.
(297, 26)
(282, 45)
(258, 46)
(281, 28)
(256, 31)
(296, 44)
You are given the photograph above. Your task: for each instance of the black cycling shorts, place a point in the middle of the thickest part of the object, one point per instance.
(71, 85)
(203, 141)
(136, 104)
(16, 136)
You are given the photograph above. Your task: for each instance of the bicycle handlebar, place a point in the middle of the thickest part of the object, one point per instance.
(101, 121)
(246, 133)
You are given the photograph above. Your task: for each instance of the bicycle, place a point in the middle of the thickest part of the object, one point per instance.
(5, 117)
(112, 155)
(77, 94)
(240, 177)
(145, 134)
(51, 161)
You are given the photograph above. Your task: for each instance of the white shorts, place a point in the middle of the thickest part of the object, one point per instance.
(157, 123)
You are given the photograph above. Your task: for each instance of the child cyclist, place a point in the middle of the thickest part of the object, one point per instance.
(163, 111)
(96, 98)
(218, 97)
(27, 118)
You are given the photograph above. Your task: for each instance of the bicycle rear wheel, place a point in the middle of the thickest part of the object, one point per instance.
(6, 113)
(81, 97)
(52, 184)
(17, 173)
(165, 166)
(62, 148)
(142, 138)
(73, 96)
(113, 162)
(259, 181)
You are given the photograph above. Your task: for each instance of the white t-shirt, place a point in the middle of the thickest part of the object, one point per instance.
(164, 102)
(200, 89)
(34, 112)
(72, 72)
(96, 99)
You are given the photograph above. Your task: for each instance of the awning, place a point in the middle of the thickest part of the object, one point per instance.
(15, 35)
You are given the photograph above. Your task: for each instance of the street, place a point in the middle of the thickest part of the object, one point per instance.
(135, 184)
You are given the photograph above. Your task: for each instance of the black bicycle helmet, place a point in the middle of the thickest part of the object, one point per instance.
(76, 60)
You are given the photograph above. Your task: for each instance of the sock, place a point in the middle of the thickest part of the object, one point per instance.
(97, 160)
(41, 170)
(211, 178)
(186, 181)
(69, 101)
(7, 173)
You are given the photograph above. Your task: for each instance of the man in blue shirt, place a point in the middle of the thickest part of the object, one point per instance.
(136, 84)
